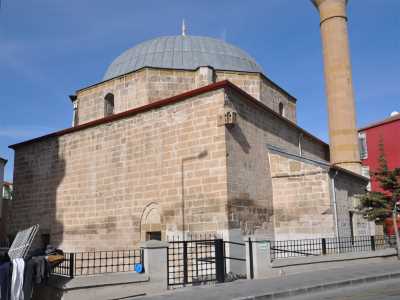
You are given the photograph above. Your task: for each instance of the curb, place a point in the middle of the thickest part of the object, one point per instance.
(321, 287)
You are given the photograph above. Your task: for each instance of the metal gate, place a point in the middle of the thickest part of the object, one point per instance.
(195, 262)
(235, 256)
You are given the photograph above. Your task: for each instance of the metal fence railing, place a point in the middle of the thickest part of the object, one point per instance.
(234, 252)
(98, 262)
(327, 246)
(194, 262)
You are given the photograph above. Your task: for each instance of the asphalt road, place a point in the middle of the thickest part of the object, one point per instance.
(385, 290)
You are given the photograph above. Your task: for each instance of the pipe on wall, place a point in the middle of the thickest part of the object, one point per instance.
(335, 205)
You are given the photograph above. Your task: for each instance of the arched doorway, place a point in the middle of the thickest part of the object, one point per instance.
(151, 223)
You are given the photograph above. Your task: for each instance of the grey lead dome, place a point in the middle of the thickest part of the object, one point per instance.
(184, 53)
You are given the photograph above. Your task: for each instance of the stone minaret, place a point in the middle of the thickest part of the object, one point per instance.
(343, 137)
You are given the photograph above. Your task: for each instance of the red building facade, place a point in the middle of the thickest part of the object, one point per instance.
(387, 132)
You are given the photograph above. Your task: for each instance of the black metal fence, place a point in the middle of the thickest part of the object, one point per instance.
(326, 246)
(98, 262)
(194, 262)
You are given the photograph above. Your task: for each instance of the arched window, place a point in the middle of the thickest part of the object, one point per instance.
(108, 105)
(281, 109)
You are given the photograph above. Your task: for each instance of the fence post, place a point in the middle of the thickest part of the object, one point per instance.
(219, 260)
(323, 246)
(155, 255)
(71, 265)
(373, 246)
(251, 264)
(185, 263)
(259, 248)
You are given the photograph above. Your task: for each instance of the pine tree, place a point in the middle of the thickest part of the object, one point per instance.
(378, 206)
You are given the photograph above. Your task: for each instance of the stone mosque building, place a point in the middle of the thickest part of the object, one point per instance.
(184, 135)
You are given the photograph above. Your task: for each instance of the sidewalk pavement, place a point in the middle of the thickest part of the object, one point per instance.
(297, 284)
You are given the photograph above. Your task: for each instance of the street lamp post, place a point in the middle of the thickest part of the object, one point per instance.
(396, 230)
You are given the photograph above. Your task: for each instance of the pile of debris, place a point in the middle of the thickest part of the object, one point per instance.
(21, 268)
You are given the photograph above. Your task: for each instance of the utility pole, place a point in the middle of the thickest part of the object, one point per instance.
(396, 230)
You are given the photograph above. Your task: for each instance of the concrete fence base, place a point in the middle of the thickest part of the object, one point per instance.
(261, 265)
(114, 285)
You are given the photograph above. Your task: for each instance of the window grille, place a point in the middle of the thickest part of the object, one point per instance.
(362, 140)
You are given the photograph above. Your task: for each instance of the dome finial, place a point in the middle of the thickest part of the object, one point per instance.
(183, 27)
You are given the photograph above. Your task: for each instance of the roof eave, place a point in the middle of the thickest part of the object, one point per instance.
(340, 169)
(167, 101)
(383, 122)
(290, 96)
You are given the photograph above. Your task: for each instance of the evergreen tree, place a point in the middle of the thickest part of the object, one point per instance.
(378, 206)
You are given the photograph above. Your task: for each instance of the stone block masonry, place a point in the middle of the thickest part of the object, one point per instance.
(261, 88)
(151, 84)
(250, 186)
(90, 189)
(174, 167)
(302, 202)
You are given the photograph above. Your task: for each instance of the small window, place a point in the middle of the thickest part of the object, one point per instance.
(7, 191)
(108, 104)
(362, 141)
(365, 173)
(153, 235)
(281, 109)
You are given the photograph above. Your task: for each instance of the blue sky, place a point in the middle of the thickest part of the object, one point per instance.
(50, 48)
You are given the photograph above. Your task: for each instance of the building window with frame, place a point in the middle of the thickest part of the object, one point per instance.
(362, 141)
(109, 105)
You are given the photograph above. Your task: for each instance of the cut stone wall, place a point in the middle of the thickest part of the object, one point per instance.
(249, 82)
(250, 196)
(271, 96)
(302, 206)
(167, 83)
(133, 90)
(347, 188)
(262, 89)
(149, 85)
(106, 186)
(89, 189)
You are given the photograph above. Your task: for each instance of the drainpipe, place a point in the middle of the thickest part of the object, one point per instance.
(335, 207)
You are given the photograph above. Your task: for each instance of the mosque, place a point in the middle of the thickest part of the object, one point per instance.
(184, 135)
